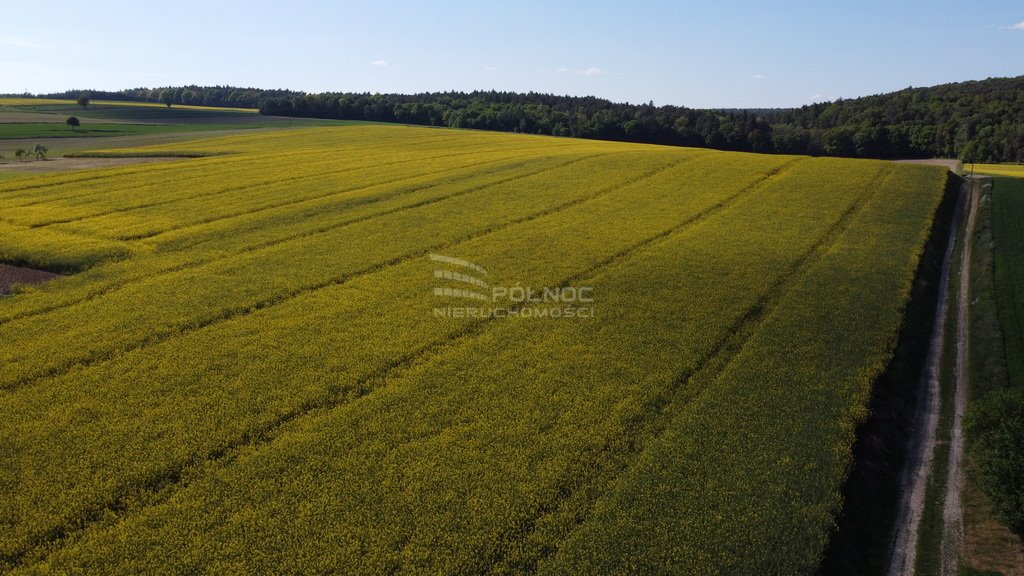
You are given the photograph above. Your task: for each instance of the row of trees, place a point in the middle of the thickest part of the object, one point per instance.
(533, 113)
(219, 96)
(583, 117)
(975, 121)
(39, 151)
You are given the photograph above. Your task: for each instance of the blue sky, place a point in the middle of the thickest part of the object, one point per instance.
(710, 54)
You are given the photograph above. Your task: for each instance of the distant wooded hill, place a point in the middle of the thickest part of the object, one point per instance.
(979, 121)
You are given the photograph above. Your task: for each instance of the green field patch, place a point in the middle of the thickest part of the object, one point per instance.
(1008, 236)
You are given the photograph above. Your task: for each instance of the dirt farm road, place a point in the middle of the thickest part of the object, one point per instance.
(922, 446)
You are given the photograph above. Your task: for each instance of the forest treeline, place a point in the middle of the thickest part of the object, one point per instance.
(219, 96)
(980, 121)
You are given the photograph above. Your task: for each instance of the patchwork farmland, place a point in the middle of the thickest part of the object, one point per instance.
(241, 368)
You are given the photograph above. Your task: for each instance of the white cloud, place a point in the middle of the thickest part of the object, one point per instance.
(380, 63)
(490, 68)
(758, 76)
(1017, 26)
(18, 43)
(592, 71)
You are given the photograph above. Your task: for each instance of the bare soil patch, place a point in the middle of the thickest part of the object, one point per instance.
(11, 275)
(951, 163)
(15, 117)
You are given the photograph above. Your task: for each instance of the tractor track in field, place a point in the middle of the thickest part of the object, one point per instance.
(252, 185)
(227, 165)
(160, 488)
(11, 191)
(921, 451)
(223, 160)
(305, 177)
(261, 209)
(306, 234)
(274, 300)
(707, 367)
(247, 212)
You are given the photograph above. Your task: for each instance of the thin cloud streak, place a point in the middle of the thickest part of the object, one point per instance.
(18, 43)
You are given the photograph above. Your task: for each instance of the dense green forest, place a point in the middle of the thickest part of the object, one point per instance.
(976, 121)
(980, 121)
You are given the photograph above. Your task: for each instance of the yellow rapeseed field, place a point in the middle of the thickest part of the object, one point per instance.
(1015, 170)
(245, 370)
